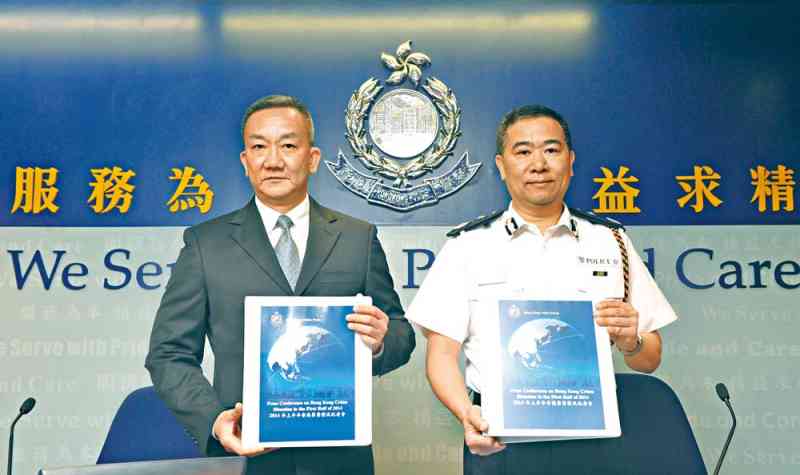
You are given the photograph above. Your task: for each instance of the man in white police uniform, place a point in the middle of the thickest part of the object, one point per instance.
(537, 245)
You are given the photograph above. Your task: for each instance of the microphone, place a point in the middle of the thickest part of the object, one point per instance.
(26, 407)
(723, 394)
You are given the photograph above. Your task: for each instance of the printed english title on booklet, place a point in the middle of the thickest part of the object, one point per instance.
(556, 379)
(307, 377)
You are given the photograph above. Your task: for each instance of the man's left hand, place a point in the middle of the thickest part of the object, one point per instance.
(371, 323)
(621, 320)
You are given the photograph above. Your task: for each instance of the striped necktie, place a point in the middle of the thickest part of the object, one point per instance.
(286, 251)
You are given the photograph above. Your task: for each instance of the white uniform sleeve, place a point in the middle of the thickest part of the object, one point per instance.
(441, 304)
(654, 310)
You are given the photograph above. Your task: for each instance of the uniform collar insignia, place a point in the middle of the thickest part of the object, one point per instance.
(511, 226)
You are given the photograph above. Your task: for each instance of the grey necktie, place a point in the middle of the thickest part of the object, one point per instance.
(286, 250)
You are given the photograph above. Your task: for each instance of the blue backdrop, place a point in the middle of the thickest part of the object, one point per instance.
(658, 88)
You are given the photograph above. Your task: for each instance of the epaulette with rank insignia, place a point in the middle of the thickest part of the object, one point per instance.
(483, 220)
(594, 219)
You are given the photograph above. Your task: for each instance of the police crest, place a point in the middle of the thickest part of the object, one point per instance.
(403, 135)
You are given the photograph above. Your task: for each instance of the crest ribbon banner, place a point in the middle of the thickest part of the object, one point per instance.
(430, 191)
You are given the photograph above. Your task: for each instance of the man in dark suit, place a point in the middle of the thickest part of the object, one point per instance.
(281, 243)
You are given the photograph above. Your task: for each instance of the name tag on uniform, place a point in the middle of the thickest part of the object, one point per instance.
(493, 282)
(602, 274)
(599, 261)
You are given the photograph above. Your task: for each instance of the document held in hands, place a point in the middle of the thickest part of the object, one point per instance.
(307, 377)
(554, 377)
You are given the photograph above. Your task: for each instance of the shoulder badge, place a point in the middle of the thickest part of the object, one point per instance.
(480, 221)
(595, 219)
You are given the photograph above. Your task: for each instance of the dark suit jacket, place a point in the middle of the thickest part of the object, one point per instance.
(230, 257)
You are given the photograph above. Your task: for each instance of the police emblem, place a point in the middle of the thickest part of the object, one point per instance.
(402, 135)
(276, 320)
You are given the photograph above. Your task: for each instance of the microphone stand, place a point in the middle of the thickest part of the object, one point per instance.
(27, 406)
(11, 442)
(722, 391)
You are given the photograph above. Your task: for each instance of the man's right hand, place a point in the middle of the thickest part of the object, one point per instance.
(228, 431)
(474, 426)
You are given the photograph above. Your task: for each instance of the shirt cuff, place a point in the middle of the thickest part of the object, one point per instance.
(377, 355)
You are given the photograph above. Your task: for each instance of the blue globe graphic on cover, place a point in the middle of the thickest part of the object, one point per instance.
(301, 351)
(545, 343)
(308, 384)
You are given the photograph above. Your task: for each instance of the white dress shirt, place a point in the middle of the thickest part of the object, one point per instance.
(299, 231)
(567, 260)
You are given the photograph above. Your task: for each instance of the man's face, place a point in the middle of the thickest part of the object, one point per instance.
(536, 163)
(278, 157)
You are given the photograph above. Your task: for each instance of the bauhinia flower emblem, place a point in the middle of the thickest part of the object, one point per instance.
(405, 64)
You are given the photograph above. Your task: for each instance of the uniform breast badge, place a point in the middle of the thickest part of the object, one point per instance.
(400, 135)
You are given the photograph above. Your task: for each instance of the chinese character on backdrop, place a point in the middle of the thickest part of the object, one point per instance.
(111, 189)
(192, 191)
(35, 190)
(777, 185)
(699, 186)
(621, 200)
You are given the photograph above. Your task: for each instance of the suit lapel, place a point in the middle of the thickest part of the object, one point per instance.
(322, 236)
(249, 233)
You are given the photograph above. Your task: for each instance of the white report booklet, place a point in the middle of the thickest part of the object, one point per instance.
(553, 376)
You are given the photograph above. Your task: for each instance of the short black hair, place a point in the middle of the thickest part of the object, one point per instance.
(525, 112)
(277, 101)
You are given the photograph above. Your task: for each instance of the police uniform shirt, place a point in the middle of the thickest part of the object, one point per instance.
(572, 259)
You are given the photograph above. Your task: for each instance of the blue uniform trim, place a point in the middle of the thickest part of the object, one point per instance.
(595, 219)
(480, 221)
